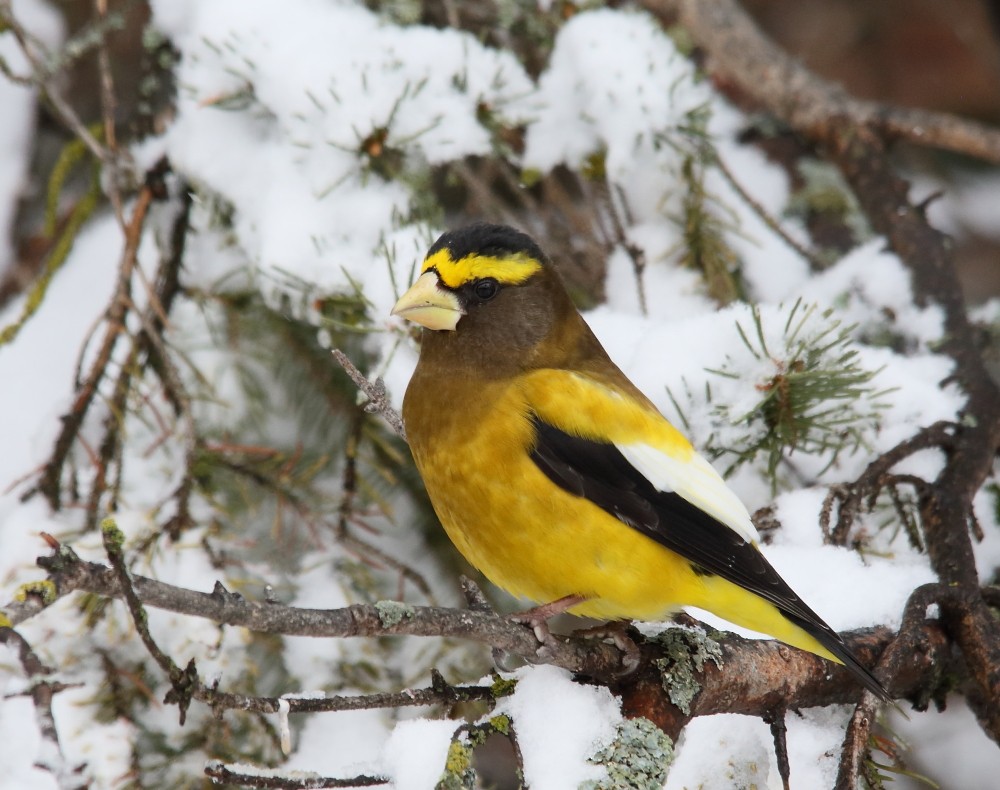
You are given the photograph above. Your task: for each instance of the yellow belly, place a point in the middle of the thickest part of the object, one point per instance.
(529, 536)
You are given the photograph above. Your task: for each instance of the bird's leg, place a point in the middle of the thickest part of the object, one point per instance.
(617, 632)
(538, 617)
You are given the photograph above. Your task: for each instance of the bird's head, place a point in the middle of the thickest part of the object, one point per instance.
(488, 292)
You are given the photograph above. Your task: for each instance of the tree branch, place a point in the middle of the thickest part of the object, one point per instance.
(68, 573)
(740, 56)
(755, 677)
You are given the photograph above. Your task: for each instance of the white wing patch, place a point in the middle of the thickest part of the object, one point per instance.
(696, 481)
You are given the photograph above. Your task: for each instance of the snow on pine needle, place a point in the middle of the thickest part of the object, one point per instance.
(811, 395)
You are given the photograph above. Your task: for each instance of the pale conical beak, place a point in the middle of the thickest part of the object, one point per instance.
(429, 305)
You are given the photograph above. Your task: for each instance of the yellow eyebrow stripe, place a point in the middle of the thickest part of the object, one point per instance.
(512, 270)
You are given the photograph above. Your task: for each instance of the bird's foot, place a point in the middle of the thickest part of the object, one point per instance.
(537, 618)
(617, 632)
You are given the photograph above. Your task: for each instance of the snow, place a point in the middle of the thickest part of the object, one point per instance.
(732, 751)
(949, 739)
(19, 736)
(278, 126)
(581, 104)
(307, 204)
(347, 743)
(415, 753)
(546, 702)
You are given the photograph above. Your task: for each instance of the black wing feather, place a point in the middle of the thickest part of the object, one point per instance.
(600, 473)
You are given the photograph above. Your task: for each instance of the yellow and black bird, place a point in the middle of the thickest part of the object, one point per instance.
(555, 476)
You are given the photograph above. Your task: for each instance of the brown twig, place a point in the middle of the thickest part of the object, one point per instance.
(765, 216)
(223, 774)
(378, 398)
(634, 252)
(779, 734)
(851, 498)
(109, 106)
(42, 691)
(50, 484)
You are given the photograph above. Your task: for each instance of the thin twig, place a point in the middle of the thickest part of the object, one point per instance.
(765, 216)
(779, 734)
(182, 681)
(223, 774)
(42, 691)
(851, 497)
(378, 397)
(108, 111)
(115, 324)
(45, 82)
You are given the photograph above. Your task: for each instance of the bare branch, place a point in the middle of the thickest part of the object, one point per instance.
(115, 321)
(378, 398)
(42, 691)
(70, 574)
(756, 677)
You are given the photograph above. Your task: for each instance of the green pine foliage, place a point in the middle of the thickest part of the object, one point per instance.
(814, 396)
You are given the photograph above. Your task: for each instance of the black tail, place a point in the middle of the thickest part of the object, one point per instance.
(832, 641)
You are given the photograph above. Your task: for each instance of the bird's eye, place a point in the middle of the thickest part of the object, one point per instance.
(486, 288)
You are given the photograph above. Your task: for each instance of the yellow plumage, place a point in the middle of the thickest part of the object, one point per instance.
(541, 543)
(554, 475)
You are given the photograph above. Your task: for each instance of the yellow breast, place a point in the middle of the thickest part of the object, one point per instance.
(526, 534)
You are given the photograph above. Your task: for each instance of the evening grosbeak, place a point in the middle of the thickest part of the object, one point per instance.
(555, 476)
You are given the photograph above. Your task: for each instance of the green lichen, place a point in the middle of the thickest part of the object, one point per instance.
(531, 177)
(57, 257)
(637, 759)
(392, 613)
(458, 772)
(44, 589)
(686, 652)
(114, 538)
(501, 724)
(5, 621)
(502, 687)
(593, 167)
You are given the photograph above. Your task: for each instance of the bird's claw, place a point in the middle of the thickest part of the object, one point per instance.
(617, 632)
(537, 620)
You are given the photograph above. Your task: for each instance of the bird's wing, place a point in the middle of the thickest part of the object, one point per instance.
(595, 408)
(591, 445)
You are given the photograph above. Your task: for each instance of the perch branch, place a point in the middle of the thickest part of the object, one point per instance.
(756, 677)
